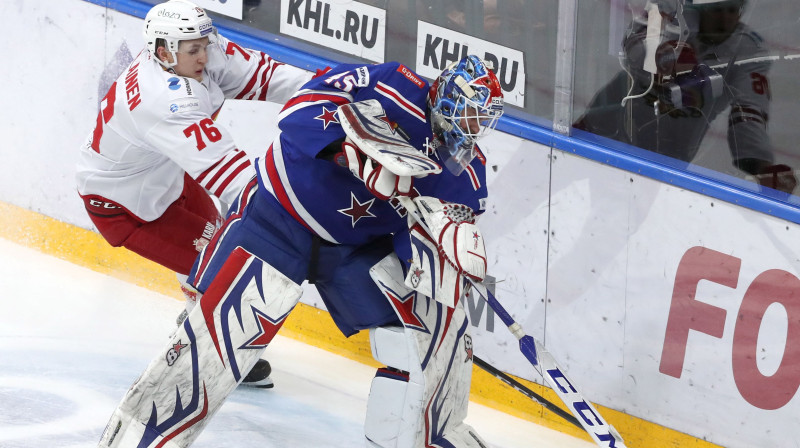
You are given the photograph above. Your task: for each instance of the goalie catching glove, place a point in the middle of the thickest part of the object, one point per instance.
(381, 182)
(375, 153)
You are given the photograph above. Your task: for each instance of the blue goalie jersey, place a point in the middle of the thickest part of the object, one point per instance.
(328, 200)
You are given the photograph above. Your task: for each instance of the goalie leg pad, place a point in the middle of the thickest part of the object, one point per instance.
(421, 398)
(395, 403)
(222, 338)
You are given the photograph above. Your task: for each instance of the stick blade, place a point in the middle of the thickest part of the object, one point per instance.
(603, 434)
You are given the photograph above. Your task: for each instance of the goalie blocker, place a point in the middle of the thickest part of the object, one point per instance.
(375, 153)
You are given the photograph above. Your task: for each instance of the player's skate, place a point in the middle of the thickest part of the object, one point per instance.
(259, 376)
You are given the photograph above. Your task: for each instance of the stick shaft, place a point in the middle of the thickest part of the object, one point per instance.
(519, 387)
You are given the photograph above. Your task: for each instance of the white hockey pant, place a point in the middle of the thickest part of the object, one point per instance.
(421, 398)
(210, 353)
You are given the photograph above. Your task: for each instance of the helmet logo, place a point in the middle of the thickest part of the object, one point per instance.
(169, 14)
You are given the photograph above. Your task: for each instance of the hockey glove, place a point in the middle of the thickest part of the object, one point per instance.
(447, 248)
(379, 181)
(459, 239)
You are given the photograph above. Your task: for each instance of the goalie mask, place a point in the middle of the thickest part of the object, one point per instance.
(174, 21)
(465, 100)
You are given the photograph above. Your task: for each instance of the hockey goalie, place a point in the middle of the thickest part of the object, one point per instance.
(324, 209)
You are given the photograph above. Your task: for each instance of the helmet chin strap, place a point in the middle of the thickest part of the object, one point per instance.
(165, 64)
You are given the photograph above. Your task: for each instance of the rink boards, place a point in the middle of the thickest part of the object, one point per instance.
(668, 308)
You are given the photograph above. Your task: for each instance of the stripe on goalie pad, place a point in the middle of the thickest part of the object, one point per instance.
(210, 353)
(367, 126)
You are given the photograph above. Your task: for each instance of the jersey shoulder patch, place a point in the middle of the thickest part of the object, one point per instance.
(411, 76)
(180, 86)
(362, 76)
(184, 105)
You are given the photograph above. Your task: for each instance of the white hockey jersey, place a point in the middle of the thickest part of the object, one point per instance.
(154, 125)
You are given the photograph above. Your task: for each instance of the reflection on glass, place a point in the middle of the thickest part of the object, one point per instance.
(521, 25)
(684, 65)
(528, 27)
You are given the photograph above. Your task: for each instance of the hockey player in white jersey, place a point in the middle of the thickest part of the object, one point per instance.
(325, 209)
(157, 170)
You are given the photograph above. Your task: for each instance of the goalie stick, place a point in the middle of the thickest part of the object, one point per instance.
(603, 434)
(363, 124)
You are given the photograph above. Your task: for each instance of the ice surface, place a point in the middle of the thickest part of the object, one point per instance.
(72, 341)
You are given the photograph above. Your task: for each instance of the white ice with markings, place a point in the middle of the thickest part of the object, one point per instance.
(72, 341)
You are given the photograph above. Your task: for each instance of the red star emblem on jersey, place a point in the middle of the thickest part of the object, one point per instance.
(406, 309)
(358, 209)
(267, 328)
(327, 117)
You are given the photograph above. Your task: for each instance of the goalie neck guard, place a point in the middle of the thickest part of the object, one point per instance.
(174, 21)
(466, 101)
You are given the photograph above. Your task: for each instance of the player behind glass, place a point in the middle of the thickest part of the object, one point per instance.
(157, 170)
(324, 209)
(708, 61)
